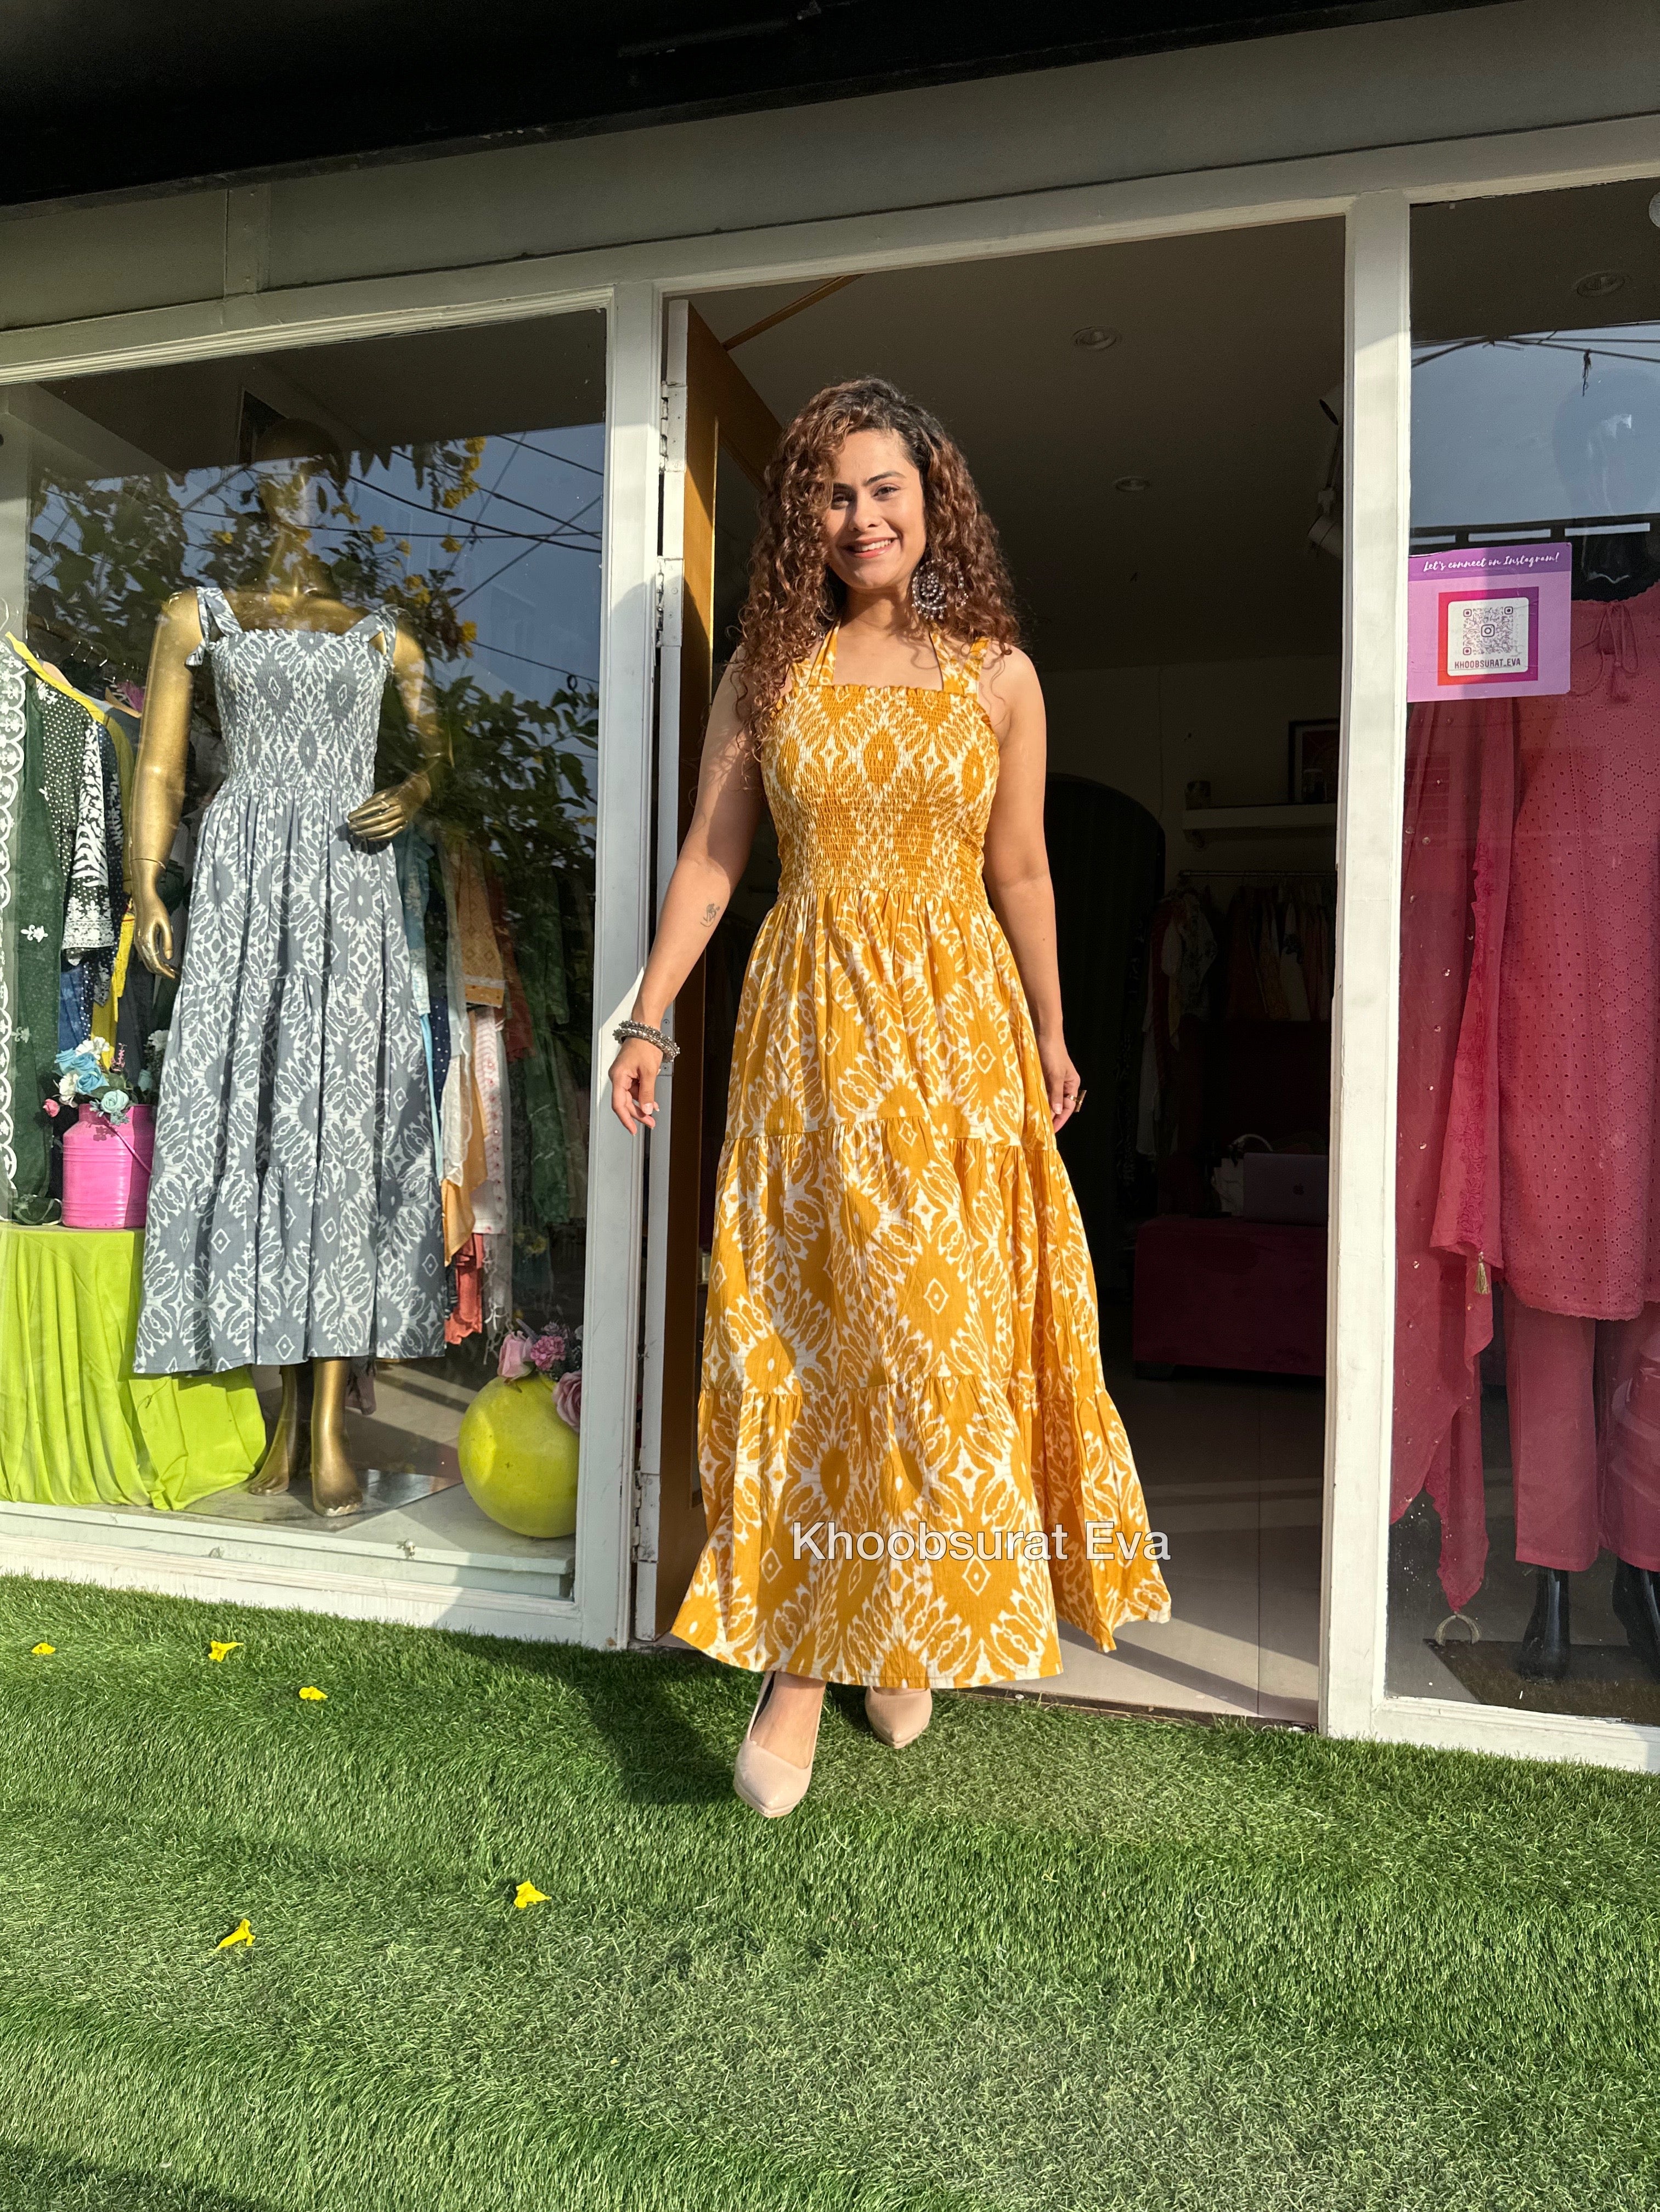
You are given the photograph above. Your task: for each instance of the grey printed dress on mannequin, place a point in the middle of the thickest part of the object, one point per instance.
(294, 1213)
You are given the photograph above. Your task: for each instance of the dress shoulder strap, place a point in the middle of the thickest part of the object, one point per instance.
(379, 627)
(960, 671)
(218, 617)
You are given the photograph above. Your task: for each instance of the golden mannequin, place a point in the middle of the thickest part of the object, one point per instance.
(294, 594)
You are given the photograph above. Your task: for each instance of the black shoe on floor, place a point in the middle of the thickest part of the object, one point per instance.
(1544, 1651)
(1636, 1608)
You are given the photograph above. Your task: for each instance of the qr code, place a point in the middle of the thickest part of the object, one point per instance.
(1488, 629)
(1487, 636)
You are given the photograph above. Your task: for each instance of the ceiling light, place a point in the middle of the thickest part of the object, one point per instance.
(1602, 284)
(1654, 210)
(1132, 484)
(1095, 338)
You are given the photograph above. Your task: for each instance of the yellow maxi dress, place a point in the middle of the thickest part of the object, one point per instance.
(902, 1363)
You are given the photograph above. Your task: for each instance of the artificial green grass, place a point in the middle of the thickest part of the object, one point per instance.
(1042, 1961)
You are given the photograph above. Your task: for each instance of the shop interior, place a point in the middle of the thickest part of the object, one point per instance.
(1153, 427)
(457, 478)
(1525, 1539)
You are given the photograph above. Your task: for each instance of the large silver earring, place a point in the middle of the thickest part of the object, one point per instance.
(927, 589)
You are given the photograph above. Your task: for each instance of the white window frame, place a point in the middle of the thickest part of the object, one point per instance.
(1373, 192)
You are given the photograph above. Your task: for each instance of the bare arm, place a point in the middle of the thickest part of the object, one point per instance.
(711, 864)
(1017, 867)
(388, 812)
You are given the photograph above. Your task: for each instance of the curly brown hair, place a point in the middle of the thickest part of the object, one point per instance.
(795, 598)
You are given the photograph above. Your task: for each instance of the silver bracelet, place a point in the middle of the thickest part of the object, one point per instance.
(665, 1045)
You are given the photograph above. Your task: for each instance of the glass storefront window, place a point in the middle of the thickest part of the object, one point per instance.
(1525, 1560)
(306, 694)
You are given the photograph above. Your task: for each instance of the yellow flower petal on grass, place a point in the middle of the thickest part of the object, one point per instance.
(527, 1893)
(314, 1696)
(221, 1650)
(240, 1933)
(42, 1650)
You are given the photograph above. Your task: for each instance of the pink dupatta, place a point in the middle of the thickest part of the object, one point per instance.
(1460, 814)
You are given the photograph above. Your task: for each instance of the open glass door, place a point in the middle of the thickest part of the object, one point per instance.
(719, 435)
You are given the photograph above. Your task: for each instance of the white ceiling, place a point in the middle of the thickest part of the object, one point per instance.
(1228, 343)
(1491, 267)
(372, 394)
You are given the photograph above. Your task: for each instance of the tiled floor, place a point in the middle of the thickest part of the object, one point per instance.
(1231, 1467)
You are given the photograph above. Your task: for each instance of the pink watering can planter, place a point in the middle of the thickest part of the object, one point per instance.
(106, 1169)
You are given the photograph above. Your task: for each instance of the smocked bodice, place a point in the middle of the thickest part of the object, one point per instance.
(881, 788)
(299, 709)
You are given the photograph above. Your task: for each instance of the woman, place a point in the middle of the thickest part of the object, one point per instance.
(908, 1457)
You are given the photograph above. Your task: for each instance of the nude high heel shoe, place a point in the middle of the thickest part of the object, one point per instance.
(898, 1716)
(772, 1785)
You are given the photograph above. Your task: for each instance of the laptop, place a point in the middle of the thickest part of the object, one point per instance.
(1287, 1187)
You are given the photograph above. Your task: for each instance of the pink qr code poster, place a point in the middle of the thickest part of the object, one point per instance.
(1489, 621)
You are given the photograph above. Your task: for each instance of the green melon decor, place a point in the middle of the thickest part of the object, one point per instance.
(519, 1443)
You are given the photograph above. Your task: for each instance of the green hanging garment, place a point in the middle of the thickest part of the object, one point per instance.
(542, 966)
(37, 908)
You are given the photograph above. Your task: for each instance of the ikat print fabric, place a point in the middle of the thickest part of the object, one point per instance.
(294, 1213)
(901, 1339)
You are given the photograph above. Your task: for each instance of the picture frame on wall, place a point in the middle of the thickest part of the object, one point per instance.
(1311, 757)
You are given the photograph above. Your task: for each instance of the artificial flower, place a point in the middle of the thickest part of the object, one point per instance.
(42, 1650)
(52, 1108)
(314, 1696)
(67, 1087)
(156, 1041)
(527, 1893)
(240, 1933)
(221, 1650)
(114, 1104)
(512, 1366)
(547, 1351)
(567, 1398)
(82, 1064)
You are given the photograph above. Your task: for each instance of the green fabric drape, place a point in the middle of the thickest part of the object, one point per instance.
(541, 953)
(77, 1426)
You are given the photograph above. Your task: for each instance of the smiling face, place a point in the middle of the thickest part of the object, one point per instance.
(875, 526)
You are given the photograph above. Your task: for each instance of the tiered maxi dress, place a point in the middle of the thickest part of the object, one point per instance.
(902, 1343)
(294, 1213)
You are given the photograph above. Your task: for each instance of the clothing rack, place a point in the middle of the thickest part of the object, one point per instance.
(81, 650)
(1429, 538)
(1255, 876)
